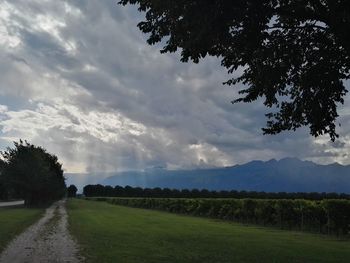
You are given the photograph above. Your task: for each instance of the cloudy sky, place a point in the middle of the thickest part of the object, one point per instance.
(78, 78)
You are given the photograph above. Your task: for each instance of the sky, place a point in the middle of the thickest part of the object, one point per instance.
(78, 78)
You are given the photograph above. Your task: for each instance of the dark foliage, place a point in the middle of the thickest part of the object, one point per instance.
(128, 191)
(294, 54)
(31, 173)
(326, 216)
(3, 191)
(72, 191)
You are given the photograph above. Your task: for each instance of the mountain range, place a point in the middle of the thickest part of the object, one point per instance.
(285, 175)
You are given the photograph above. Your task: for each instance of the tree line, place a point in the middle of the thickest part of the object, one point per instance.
(128, 191)
(322, 216)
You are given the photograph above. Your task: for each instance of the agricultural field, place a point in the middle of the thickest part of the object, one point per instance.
(13, 220)
(318, 216)
(112, 233)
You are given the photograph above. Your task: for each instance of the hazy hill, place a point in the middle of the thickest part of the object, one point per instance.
(289, 175)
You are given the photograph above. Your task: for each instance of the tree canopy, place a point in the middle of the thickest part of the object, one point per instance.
(31, 173)
(295, 54)
(72, 191)
(3, 192)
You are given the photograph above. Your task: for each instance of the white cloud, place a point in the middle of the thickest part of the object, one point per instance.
(9, 39)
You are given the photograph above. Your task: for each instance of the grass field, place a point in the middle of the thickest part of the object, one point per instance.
(14, 220)
(110, 233)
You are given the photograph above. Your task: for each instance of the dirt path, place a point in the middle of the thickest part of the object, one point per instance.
(48, 240)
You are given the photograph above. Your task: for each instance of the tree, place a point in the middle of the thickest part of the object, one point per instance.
(72, 190)
(33, 174)
(3, 189)
(295, 54)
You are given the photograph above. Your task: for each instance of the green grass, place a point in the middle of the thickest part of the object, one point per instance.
(110, 233)
(14, 220)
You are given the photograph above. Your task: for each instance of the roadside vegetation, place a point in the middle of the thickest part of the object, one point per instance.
(111, 233)
(13, 220)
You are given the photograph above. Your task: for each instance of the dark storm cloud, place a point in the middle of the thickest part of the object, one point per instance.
(78, 78)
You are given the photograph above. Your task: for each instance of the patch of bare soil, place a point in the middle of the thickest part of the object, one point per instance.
(48, 240)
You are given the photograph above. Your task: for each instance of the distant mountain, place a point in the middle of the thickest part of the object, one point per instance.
(285, 175)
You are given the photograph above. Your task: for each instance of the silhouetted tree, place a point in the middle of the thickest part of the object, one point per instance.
(3, 189)
(118, 191)
(72, 191)
(33, 174)
(195, 193)
(295, 54)
(108, 190)
(88, 190)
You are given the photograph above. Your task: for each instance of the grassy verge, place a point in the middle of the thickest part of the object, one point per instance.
(109, 233)
(14, 220)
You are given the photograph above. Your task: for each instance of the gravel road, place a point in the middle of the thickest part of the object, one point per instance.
(48, 240)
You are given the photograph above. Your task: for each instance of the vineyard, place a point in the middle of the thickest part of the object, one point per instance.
(324, 216)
